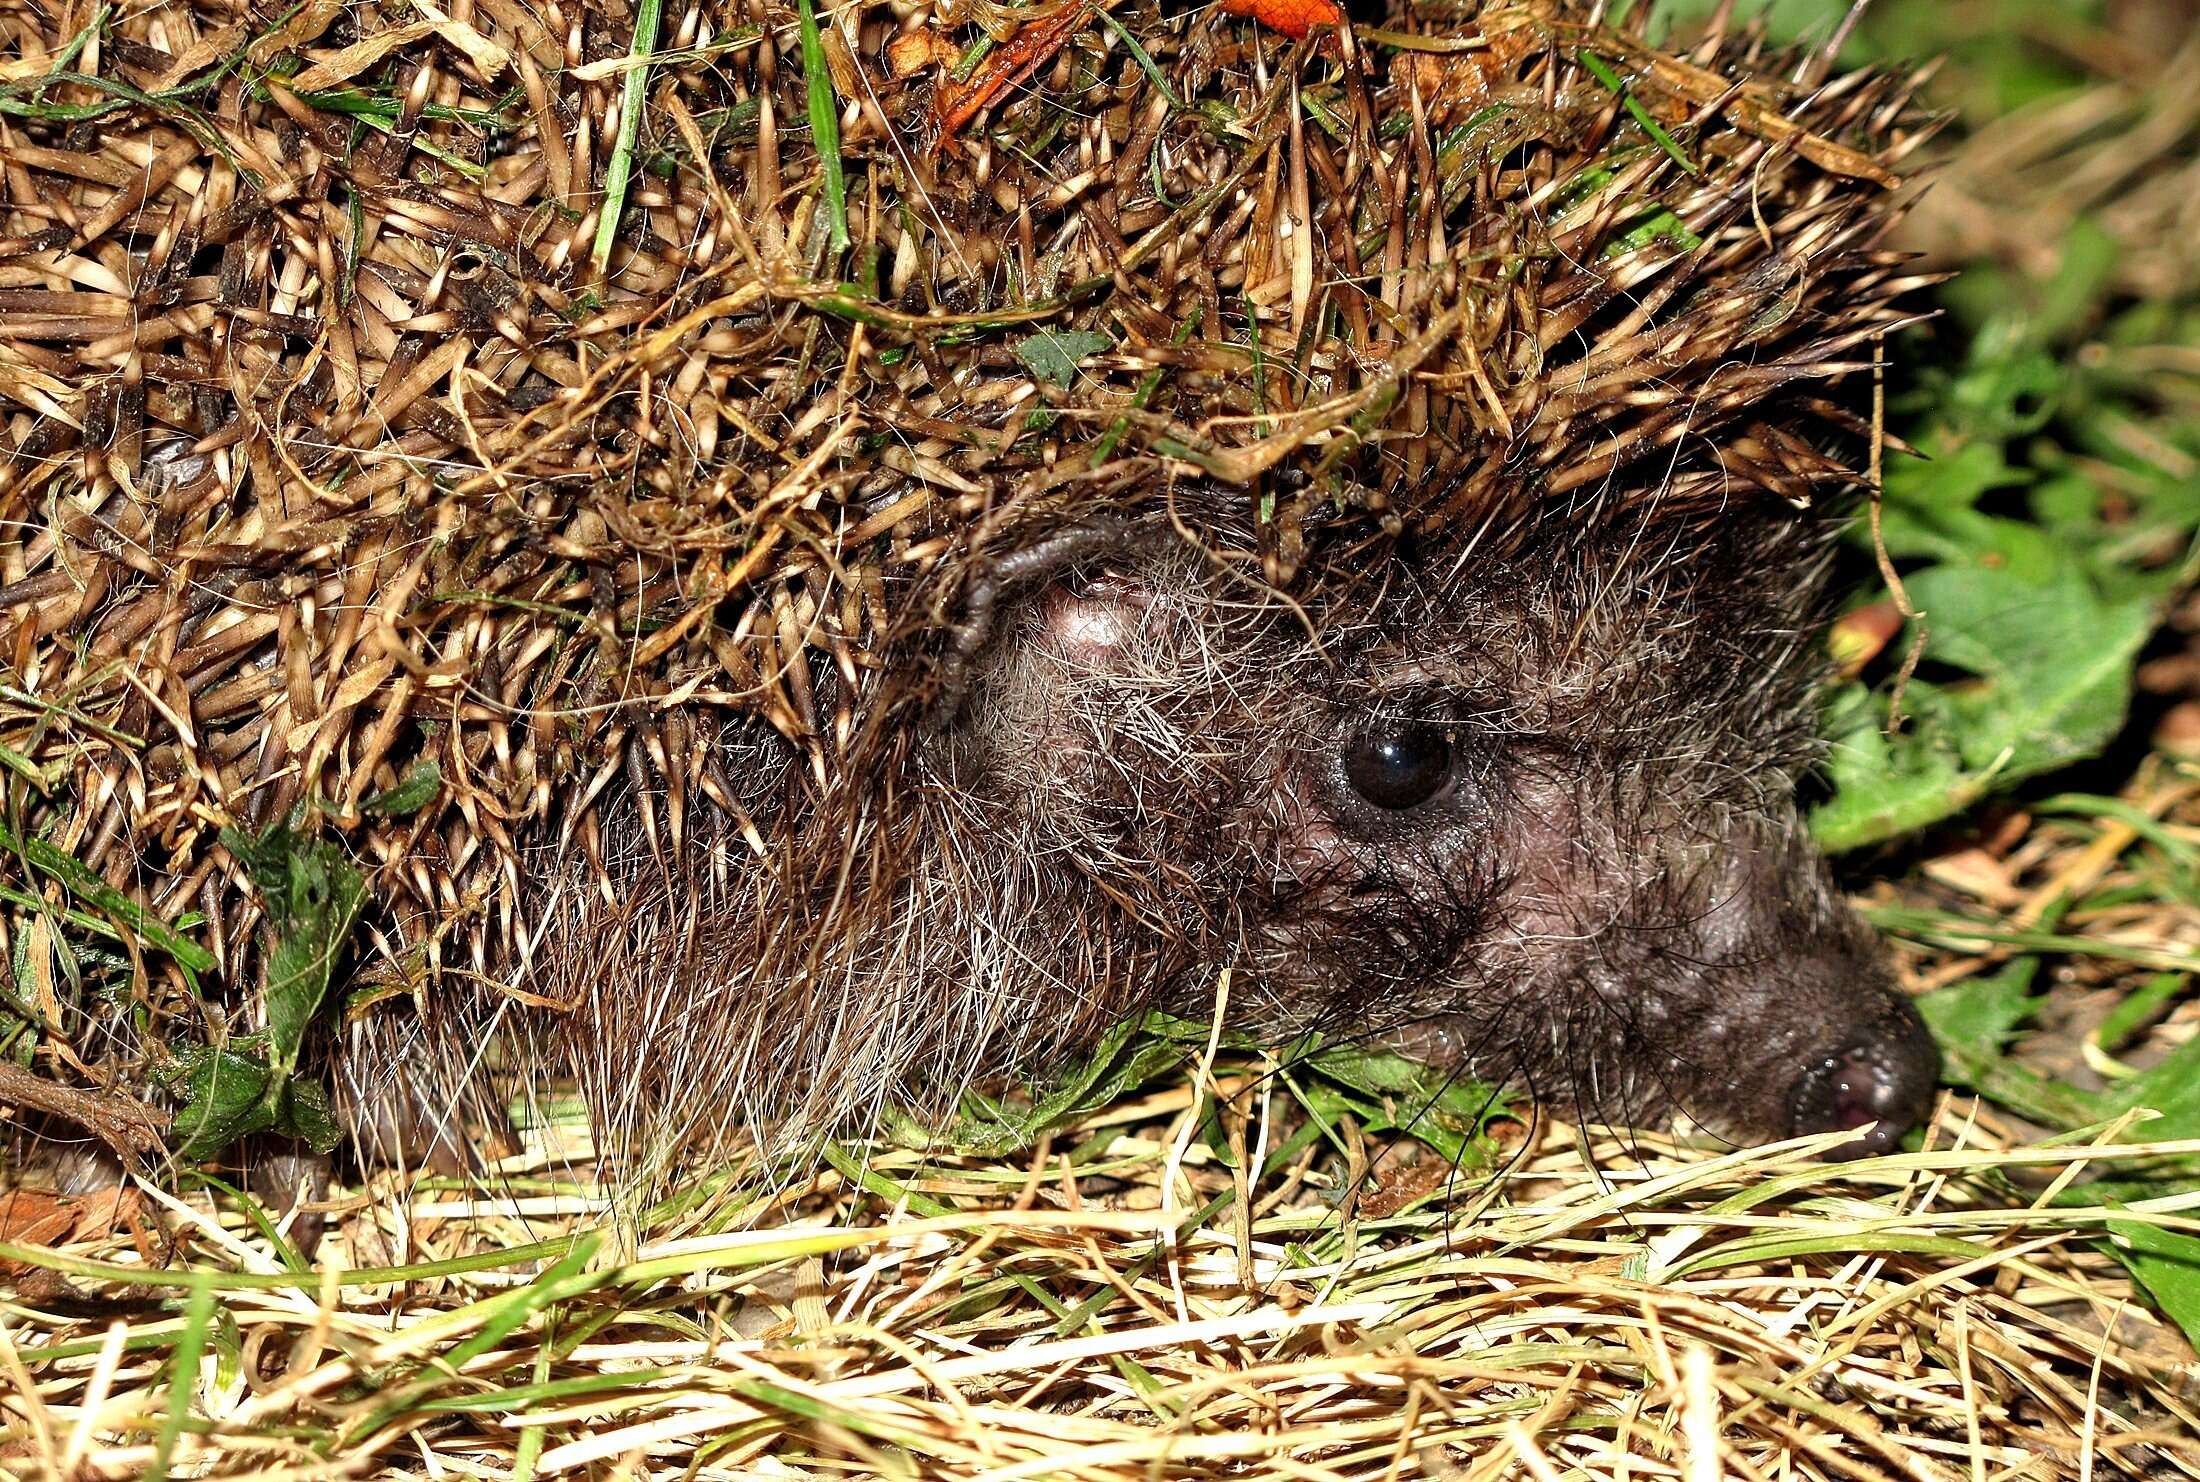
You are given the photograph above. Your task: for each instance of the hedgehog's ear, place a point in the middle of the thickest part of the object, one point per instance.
(1089, 615)
(1051, 572)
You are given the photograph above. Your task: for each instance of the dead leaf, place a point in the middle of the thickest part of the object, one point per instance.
(913, 51)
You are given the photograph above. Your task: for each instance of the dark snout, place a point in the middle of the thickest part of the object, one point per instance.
(1803, 1028)
(1878, 1082)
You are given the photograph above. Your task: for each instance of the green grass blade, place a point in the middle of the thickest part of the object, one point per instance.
(825, 123)
(1602, 71)
(619, 173)
(183, 1373)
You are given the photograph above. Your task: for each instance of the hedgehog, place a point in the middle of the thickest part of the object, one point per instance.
(785, 569)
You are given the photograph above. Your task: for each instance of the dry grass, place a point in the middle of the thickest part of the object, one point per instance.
(1121, 1305)
(2121, 156)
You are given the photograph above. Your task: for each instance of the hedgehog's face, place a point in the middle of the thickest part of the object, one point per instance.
(1538, 824)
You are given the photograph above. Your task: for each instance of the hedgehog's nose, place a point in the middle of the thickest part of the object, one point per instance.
(1880, 1081)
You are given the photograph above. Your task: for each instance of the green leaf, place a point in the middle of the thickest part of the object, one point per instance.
(414, 791)
(2045, 638)
(1884, 788)
(313, 896)
(1154, 74)
(1052, 355)
(1661, 225)
(225, 1097)
(1386, 1092)
(2167, 1264)
(2170, 1087)
(1976, 1018)
(227, 1341)
(1973, 1021)
(41, 779)
(1127, 1056)
(2036, 601)
(306, 1114)
(230, 1094)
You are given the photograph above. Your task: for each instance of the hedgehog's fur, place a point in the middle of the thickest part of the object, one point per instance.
(330, 454)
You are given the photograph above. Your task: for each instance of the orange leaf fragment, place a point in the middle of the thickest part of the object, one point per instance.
(1859, 636)
(1294, 18)
(1008, 65)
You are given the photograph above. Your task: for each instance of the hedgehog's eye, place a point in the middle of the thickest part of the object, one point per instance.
(1398, 765)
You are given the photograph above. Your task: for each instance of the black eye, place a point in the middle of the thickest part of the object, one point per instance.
(1398, 765)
